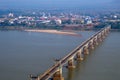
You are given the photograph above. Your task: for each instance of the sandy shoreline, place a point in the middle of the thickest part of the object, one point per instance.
(52, 31)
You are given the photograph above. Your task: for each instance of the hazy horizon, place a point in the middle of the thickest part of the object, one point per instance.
(59, 4)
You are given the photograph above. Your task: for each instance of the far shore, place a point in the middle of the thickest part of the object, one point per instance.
(53, 32)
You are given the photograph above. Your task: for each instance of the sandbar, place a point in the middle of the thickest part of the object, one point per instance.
(53, 32)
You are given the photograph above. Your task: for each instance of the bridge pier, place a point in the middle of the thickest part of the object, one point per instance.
(71, 64)
(85, 50)
(102, 35)
(91, 45)
(95, 42)
(105, 33)
(79, 56)
(58, 74)
(99, 38)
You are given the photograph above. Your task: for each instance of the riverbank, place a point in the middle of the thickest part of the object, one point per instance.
(115, 30)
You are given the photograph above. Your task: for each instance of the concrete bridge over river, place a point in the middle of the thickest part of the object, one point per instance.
(55, 72)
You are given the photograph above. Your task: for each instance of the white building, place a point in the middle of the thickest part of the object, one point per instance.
(58, 21)
(10, 15)
(89, 21)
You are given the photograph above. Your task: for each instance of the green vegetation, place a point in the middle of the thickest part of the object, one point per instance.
(114, 25)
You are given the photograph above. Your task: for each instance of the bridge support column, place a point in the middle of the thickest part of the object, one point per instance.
(91, 45)
(95, 42)
(71, 64)
(103, 36)
(79, 56)
(58, 75)
(105, 33)
(85, 50)
(99, 39)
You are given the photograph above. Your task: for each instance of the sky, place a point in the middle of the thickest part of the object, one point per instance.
(58, 3)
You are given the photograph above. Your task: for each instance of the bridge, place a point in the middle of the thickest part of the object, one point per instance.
(55, 72)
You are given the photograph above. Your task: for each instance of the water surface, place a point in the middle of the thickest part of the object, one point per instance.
(102, 64)
(23, 53)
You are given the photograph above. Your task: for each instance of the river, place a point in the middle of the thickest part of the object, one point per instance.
(24, 53)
